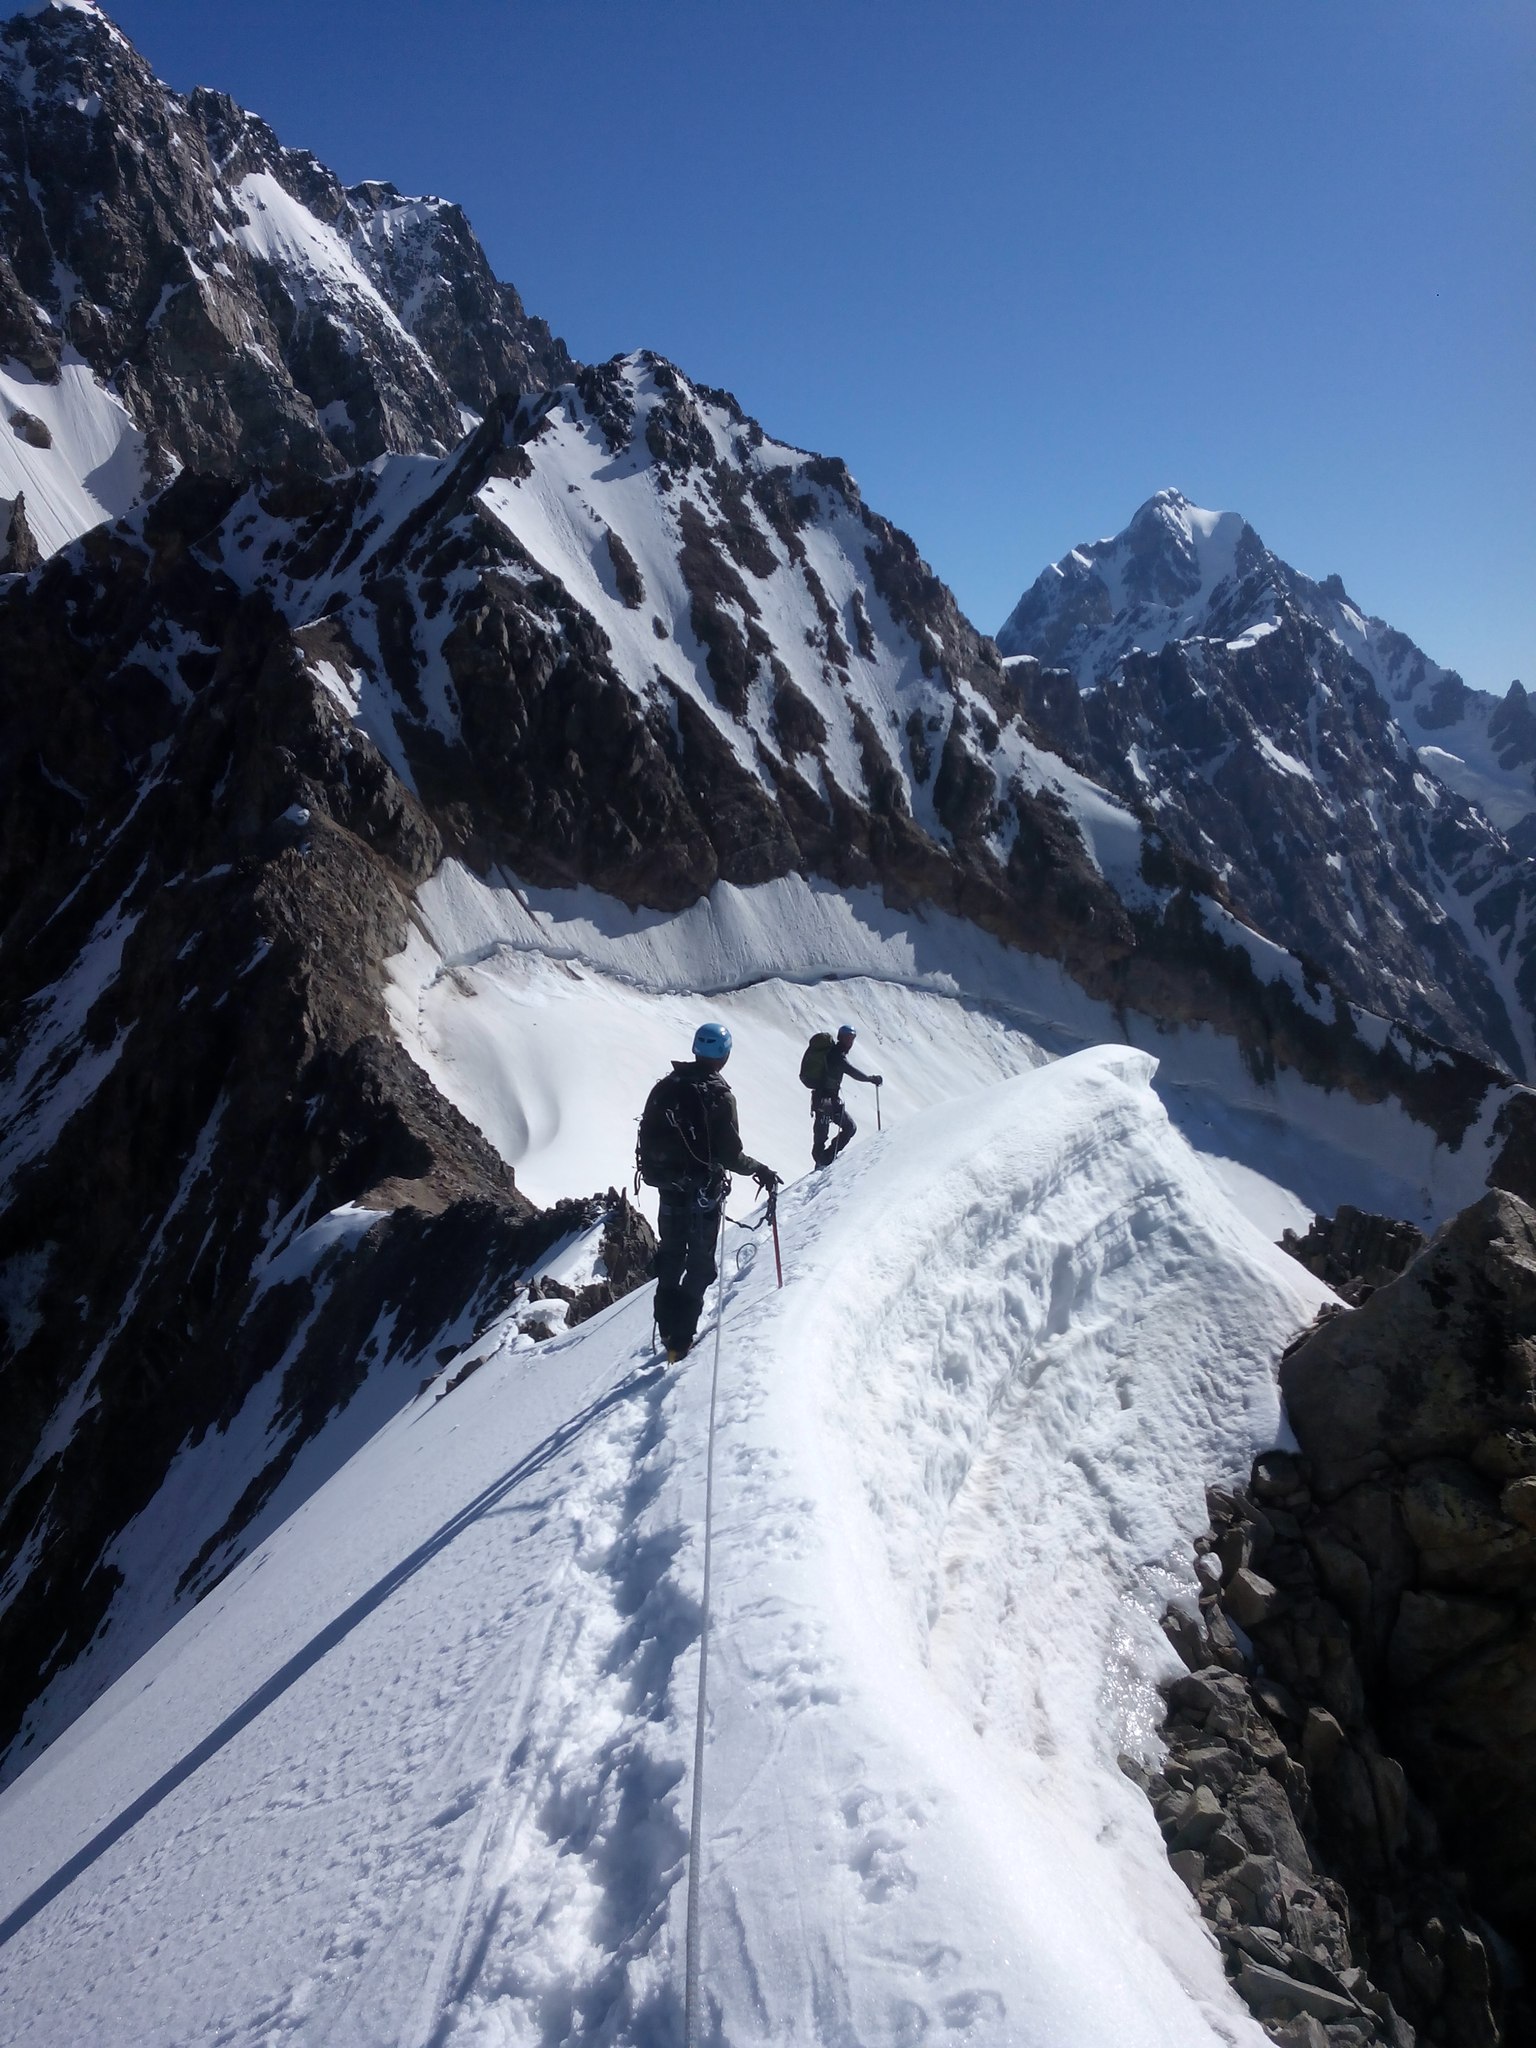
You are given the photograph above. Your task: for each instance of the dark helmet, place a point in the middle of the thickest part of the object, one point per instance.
(711, 1042)
(846, 1031)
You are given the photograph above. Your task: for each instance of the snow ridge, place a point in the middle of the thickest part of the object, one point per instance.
(435, 1735)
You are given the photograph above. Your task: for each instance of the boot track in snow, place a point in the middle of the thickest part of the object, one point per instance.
(421, 1771)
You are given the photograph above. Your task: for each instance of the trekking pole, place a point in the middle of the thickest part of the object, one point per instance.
(773, 1218)
(878, 1125)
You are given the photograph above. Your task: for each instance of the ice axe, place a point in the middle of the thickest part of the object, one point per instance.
(878, 1125)
(773, 1219)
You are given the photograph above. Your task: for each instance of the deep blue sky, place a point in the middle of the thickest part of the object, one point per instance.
(1021, 265)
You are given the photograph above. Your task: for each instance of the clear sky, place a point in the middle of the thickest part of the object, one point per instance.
(1019, 264)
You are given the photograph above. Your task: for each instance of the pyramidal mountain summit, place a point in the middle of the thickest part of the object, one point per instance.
(1055, 1613)
(1310, 756)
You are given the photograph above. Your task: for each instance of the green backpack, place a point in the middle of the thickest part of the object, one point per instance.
(813, 1062)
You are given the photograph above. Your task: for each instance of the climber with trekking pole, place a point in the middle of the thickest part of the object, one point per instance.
(823, 1068)
(689, 1146)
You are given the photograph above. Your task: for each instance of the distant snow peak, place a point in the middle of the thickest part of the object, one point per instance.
(1181, 515)
(1155, 581)
(60, 13)
(1274, 738)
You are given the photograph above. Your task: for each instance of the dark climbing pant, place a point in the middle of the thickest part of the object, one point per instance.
(825, 1111)
(687, 1231)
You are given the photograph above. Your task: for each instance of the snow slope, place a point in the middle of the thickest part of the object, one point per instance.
(419, 1770)
(544, 1015)
(316, 266)
(93, 467)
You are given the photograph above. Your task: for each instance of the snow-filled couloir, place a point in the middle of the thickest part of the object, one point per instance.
(421, 1768)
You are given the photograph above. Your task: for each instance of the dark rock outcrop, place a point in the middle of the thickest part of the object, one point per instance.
(1354, 1251)
(1367, 1638)
(1321, 1868)
(19, 550)
(29, 428)
(248, 308)
(221, 1171)
(1417, 1418)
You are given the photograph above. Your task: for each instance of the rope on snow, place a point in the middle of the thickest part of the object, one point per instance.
(692, 2016)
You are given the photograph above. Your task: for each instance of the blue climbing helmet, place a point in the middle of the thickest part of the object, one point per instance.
(711, 1042)
(846, 1031)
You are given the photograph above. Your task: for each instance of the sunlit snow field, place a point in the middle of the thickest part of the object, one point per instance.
(546, 1015)
(419, 1770)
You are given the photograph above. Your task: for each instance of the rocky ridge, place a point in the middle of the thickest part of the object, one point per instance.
(1354, 1252)
(234, 1211)
(244, 307)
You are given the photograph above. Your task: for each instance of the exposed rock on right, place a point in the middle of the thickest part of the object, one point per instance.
(1348, 1785)
(1416, 1417)
(1354, 1251)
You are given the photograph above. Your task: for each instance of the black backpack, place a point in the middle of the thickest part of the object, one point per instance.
(674, 1132)
(813, 1061)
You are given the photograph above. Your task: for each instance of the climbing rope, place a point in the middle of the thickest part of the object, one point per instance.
(692, 2016)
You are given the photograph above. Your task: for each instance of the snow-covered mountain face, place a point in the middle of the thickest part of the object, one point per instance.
(291, 766)
(436, 1736)
(1179, 572)
(1350, 798)
(177, 289)
(371, 834)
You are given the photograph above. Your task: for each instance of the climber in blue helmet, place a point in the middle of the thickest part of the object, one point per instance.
(689, 1147)
(824, 1069)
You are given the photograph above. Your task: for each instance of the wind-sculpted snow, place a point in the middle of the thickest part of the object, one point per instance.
(419, 1770)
